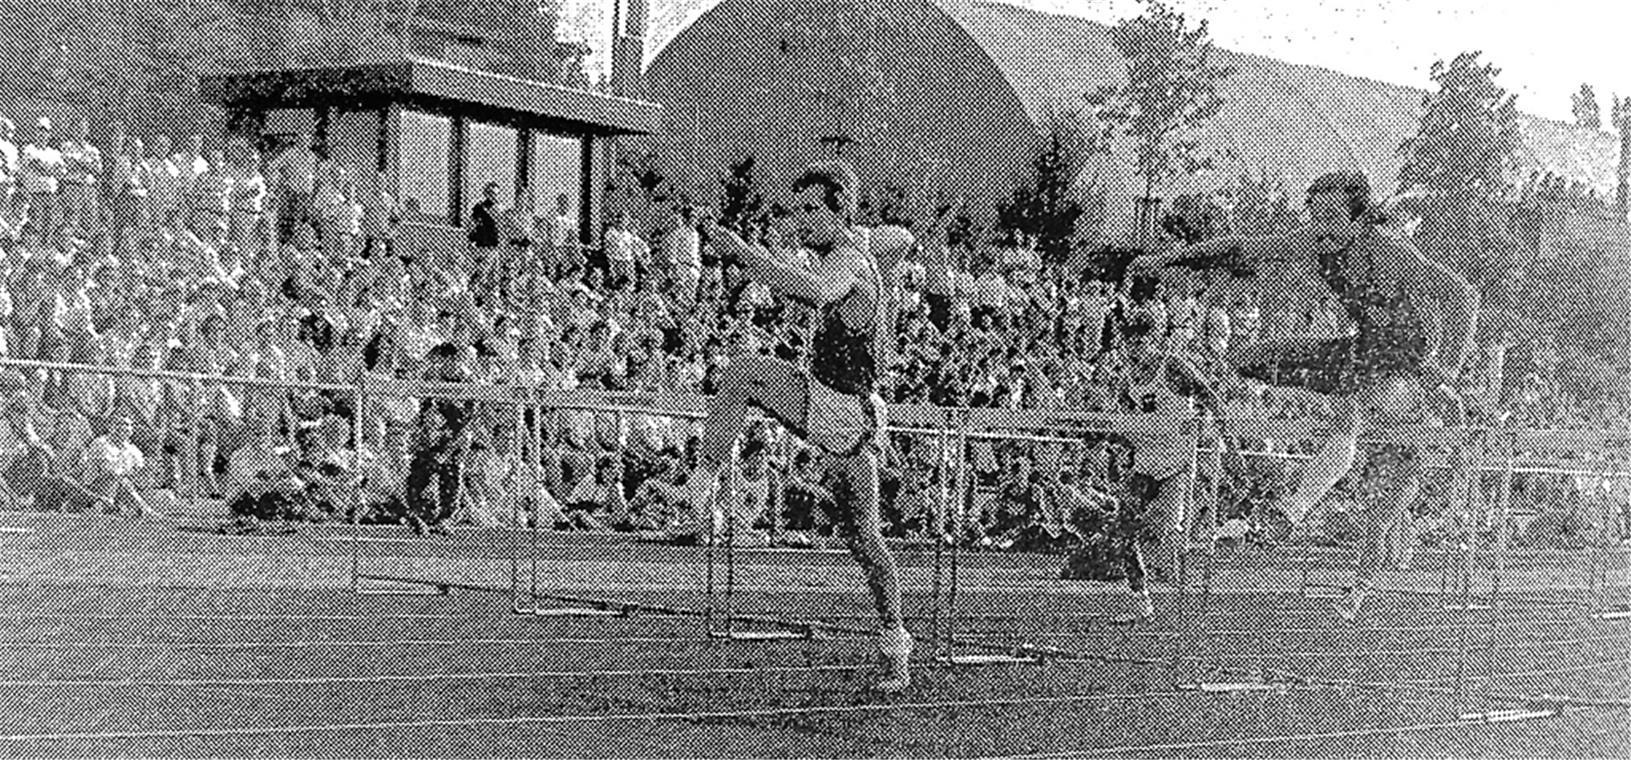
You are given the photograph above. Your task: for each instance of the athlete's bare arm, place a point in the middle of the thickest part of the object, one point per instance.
(1441, 296)
(832, 278)
(1241, 256)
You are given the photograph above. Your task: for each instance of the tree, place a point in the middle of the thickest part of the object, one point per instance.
(741, 204)
(1461, 158)
(1171, 91)
(1622, 122)
(1586, 111)
(1045, 206)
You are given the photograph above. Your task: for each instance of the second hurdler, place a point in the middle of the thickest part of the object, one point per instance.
(834, 405)
(1383, 372)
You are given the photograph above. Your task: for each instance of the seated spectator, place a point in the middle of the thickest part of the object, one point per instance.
(116, 471)
(502, 482)
(260, 482)
(329, 469)
(807, 498)
(597, 503)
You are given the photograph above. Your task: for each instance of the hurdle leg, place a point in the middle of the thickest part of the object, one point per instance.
(728, 495)
(944, 491)
(948, 646)
(356, 493)
(1502, 507)
(1467, 495)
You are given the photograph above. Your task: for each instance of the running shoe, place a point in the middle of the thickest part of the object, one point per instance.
(895, 647)
(1348, 606)
(1146, 607)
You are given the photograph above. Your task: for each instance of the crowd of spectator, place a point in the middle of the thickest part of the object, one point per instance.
(219, 262)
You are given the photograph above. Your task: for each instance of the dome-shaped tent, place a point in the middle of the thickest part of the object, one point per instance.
(952, 91)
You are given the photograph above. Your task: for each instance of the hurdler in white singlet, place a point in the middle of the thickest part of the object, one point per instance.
(1159, 456)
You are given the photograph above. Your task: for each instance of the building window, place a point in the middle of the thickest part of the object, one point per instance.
(424, 161)
(490, 155)
(353, 140)
(556, 174)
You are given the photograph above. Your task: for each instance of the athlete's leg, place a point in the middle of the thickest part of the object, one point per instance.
(863, 532)
(1165, 516)
(1150, 522)
(770, 384)
(1333, 460)
(859, 517)
(1314, 365)
(1396, 473)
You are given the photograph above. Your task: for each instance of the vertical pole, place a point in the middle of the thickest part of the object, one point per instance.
(1600, 570)
(358, 398)
(728, 496)
(1189, 436)
(960, 502)
(1503, 500)
(708, 542)
(1209, 572)
(778, 495)
(539, 483)
(1503, 512)
(195, 448)
(937, 532)
(1466, 495)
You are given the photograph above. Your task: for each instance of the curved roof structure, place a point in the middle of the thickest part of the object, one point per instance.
(950, 92)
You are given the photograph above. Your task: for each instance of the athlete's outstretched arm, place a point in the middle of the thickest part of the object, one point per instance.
(828, 281)
(1240, 256)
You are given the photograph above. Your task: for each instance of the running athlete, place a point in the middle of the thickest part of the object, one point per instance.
(1383, 370)
(834, 404)
(1153, 515)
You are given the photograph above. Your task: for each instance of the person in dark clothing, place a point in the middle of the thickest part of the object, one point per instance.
(484, 233)
(484, 218)
(438, 460)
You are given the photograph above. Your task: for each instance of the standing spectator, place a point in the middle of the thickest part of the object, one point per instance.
(484, 227)
(210, 196)
(562, 238)
(82, 169)
(248, 203)
(682, 248)
(348, 217)
(381, 221)
(516, 227)
(11, 211)
(295, 174)
(118, 138)
(42, 171)
(164, 184)
(128, 206)
(623, 249)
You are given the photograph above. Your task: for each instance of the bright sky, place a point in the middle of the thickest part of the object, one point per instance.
(1544, 49)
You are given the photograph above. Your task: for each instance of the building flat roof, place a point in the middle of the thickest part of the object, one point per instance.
(439, 86)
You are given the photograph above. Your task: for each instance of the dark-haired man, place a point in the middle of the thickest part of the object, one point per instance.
(1383, 369)
(833, 405)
